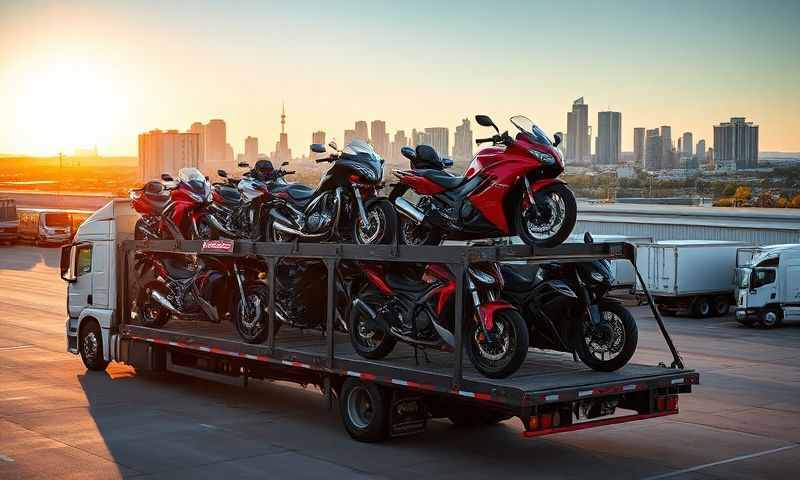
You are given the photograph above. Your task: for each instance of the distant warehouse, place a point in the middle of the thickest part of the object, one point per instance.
(761, 226)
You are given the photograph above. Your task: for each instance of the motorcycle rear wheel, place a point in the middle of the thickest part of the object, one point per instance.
(412, 234)
(148, 312)
(510, 330)
(371, 344)
(539, 229)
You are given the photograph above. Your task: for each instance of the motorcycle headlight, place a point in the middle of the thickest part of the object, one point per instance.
(481, 277)
(597, 277)
(545, 158)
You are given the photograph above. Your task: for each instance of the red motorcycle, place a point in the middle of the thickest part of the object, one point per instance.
(510, 188)
(415, 305)
(176, 212)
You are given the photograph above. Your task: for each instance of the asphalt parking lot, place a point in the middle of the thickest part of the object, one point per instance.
(58, 420)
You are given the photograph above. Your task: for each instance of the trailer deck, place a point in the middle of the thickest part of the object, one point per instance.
(545, 377)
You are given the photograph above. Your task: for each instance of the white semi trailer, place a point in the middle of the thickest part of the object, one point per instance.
(693, 275)
(768, 285)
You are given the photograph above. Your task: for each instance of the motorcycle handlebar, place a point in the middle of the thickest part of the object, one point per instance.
(478, 141)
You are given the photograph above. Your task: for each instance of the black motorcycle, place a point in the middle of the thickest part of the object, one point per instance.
(566, 309)
(344, 207)
(201, 288)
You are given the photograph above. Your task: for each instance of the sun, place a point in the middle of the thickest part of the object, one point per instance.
(66, 103)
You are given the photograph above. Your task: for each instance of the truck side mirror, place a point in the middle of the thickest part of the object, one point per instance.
(67, 263)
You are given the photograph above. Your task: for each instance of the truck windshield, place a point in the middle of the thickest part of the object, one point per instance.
(743, 277)
(57, 220)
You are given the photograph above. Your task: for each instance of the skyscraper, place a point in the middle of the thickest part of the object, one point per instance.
(318, 137)
(736, 144)
(167, 152)
(282, 151)
(251, 150)
(417, 138)
(609, 137)
(462, 146)
(578, 134)
(653, 150)
(399, 142)
(200, 130)
(439, 139)
(361, 131)
(228, 156)
(666, 148)
(378, 135)
(349, 136)
(638, 147)
(215, 145)
(688, 143)
(700, 153)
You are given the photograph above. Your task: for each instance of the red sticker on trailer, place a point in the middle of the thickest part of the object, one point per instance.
(218, 246)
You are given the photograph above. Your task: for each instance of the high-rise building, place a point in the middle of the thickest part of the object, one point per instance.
(200, 130)
(638, 147)
(736, 144)
(666, 148)
(349, 136)
(399, 142)
(653, 150)
(578, 133)
(318, 137)
(228, 156)
(167, 152)
(417, 138)
(378, 135)
(609, 138)
(361, 131)
(700, 152)
(251, 150)
(215, 148)
(439, 139)
(282, 151)
(688, 143)
(462, 146)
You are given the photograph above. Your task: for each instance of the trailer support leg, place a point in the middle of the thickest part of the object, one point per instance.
(331, 310)
(458, 271)
(677, 362)
(272, 261)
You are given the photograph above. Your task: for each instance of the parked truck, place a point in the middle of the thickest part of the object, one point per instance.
(398, 395)
(689, 275)
(9, 223)
(768, 285)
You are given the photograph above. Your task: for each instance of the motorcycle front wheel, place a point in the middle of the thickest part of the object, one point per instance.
(382, 223)
(505, 354)
(251, 317)
(549, 224)
(611, 344)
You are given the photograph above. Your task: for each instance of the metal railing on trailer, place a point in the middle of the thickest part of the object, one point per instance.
(456, 257)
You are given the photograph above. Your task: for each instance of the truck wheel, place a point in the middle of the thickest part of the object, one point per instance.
(90, 344)
(771, 318)
(365, 410)
(701, 307)
(721, 306)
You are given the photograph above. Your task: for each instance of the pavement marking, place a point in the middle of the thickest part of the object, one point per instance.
(15, 347)
(6, 459)
(721, 462)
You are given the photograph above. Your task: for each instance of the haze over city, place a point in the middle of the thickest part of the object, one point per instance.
(94, 74)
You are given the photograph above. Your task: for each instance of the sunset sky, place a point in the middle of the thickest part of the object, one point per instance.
(80, 73)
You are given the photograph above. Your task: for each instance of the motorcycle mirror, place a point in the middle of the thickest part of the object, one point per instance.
(409, 153)
(587, 238)
(284, 164)
(166, 177)
(333, 145)
(557, 137)
(244, 165)
(222, 173)
(447, 163)
(485, 121)
(317, 148)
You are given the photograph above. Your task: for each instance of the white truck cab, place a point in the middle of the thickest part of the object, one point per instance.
(768, 285)
(89, 266)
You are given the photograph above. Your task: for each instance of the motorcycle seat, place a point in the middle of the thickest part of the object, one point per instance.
(405, 279)
(297, 192)
(441, 177)
(177, 268)
(519, 278)
(230, 195)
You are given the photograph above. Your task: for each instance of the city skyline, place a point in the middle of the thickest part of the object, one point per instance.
(90, 73)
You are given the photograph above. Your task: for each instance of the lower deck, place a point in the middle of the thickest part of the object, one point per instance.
(544, 377)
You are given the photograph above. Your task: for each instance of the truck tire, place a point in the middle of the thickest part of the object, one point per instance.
(365, 410)
(701, 307)
(90, 345)
(721, 306)
(771, 318)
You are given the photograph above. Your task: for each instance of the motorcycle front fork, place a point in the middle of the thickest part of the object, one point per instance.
(360, 202)
(476, 302)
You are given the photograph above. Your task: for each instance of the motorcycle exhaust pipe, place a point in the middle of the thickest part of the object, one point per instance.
(282, 226)
(374, 321)
(217, 225)
(164, 302)
(409, 210)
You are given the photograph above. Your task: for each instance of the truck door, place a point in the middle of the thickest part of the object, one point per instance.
(100, 274)
(79, 292)
(762, 287)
